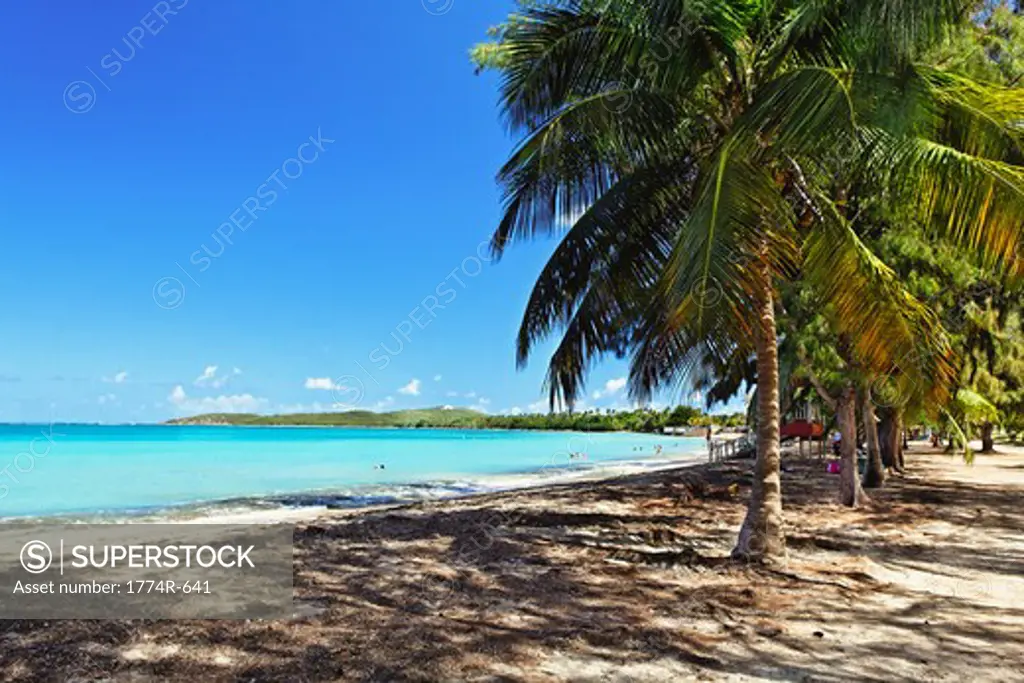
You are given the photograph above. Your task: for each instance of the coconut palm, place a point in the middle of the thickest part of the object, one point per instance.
(694, 154)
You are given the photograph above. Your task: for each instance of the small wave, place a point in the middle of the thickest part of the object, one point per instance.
(363, 496)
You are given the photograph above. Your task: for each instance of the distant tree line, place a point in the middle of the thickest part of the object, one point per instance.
(639, 420)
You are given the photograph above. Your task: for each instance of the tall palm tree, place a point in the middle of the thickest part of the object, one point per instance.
(693, 154)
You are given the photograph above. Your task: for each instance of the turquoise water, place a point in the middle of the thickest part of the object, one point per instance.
(117, 470)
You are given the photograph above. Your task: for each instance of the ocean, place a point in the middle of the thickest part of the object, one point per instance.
(90, 472)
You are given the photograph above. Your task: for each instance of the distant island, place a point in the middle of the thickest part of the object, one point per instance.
(640, 420)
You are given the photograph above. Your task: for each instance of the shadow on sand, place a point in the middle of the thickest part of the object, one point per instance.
(630, 575)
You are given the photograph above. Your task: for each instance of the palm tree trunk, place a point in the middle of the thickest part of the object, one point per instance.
(850, 492)
(890, 439)
(901, 441)
(874, 474)
(887, 437)
(762, 537)
(987, 442)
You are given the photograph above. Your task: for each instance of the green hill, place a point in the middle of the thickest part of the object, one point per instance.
(427, 417)
(639, 420)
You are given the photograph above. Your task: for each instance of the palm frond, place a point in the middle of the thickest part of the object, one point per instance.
(879, 35)
(890, 331)
(976, 202)
(739, 220)
(701, 309)
(625, 236)
(570, 161)
(672, 350)
(801, 111)
(557, 55)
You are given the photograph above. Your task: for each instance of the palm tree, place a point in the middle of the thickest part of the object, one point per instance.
(697, 154)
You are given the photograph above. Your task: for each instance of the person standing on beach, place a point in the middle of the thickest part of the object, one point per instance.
(708, 436)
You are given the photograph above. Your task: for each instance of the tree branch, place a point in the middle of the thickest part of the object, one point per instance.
(829, 400)
(825, 396)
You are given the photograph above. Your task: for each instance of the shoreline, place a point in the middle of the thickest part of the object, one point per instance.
(528, 483)
(311, 504)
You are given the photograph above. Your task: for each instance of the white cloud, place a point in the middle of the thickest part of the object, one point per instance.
(614, 386)
(540, 406)
(471, 394)
(411, 389)
(485, 401)
(451, 393)
(611, 387)
(208, 374)
(119, 378)
(321, 384)
(238, 403)
(448, 408)
(437, 378)
(514, 410)
(387, 402)
(209, 377)
(106, 398)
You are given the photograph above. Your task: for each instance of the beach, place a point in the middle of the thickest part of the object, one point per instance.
(94, 473)
(556, 341)
(621, 579)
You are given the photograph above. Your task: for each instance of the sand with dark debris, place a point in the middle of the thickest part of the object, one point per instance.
(622, 580)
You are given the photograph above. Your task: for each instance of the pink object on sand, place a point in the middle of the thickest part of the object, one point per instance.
(833, 467)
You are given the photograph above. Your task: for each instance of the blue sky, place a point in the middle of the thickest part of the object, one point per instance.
(218, 206)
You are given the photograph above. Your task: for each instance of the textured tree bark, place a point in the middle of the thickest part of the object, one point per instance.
(987, 442)
(762, 537)
(874, 473)
(850, 492)
(887, 438)
(901, 442)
